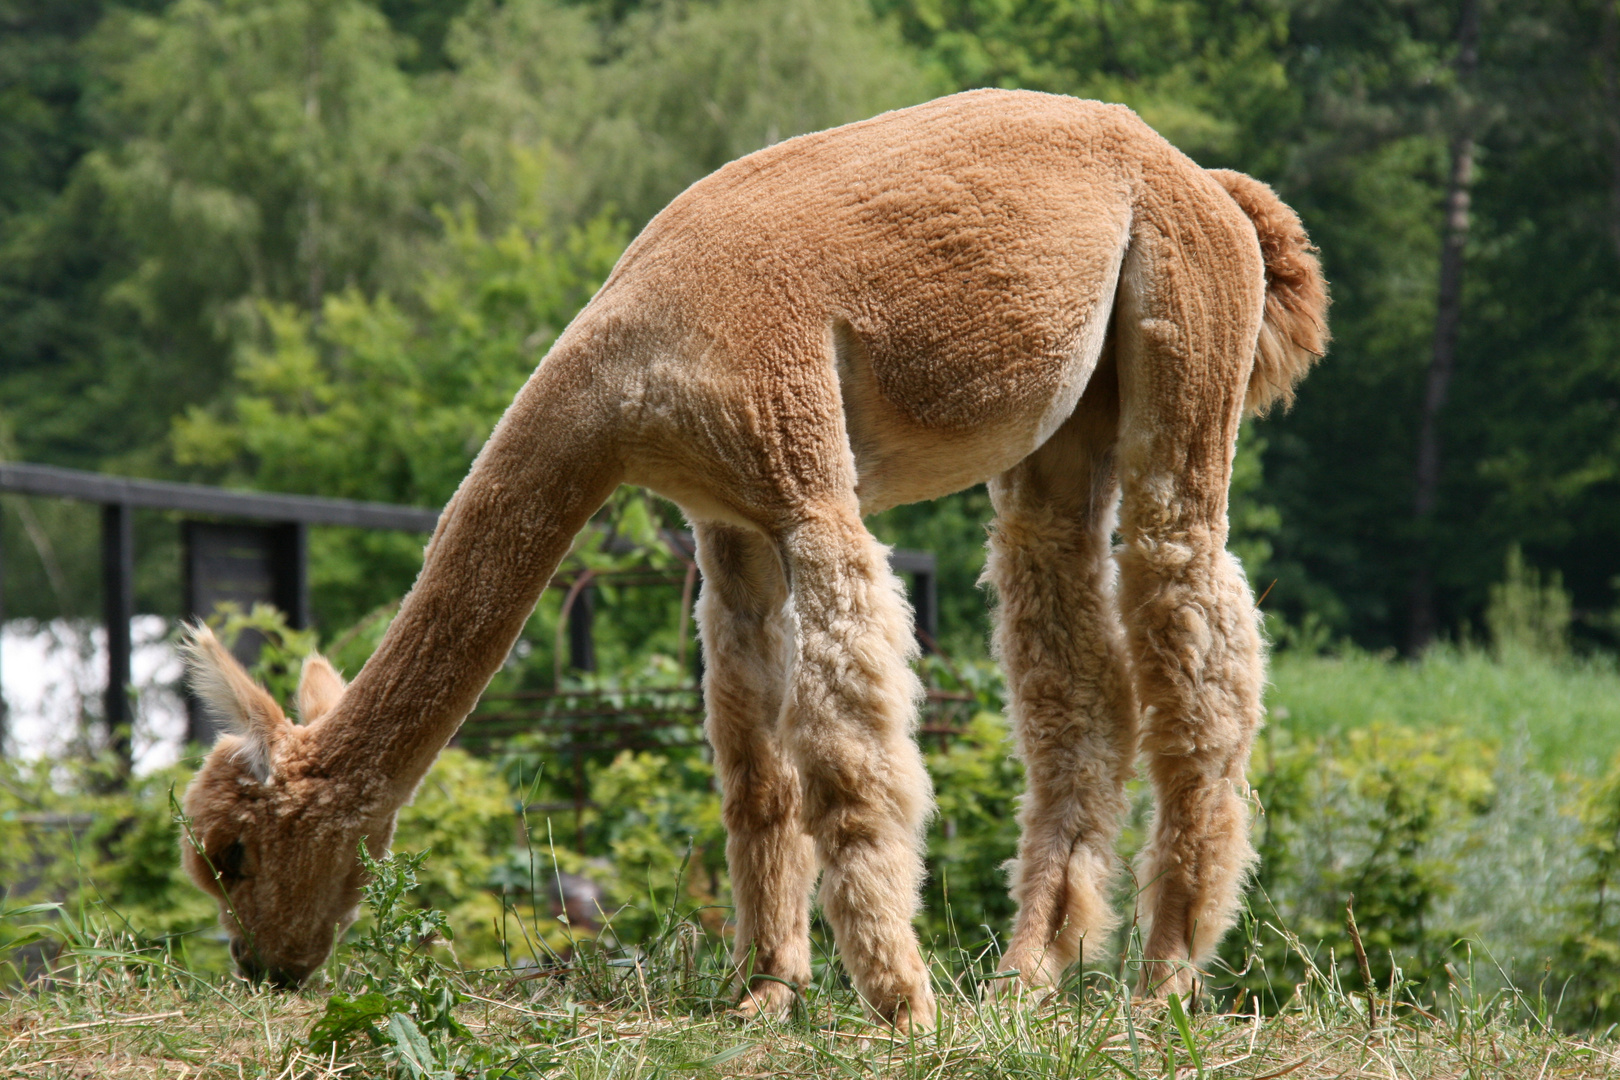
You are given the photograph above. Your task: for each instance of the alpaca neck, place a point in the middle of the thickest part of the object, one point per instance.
(549, 465)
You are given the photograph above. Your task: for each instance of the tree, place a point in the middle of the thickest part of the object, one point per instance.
(1447, 318)
(1208, 74)
(645, 102)
(1528, 426)
(243, 150)
(389, 397)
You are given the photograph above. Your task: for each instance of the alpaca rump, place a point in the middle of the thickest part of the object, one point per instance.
(998, 286)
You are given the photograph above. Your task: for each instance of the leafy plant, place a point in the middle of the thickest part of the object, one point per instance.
(408, 1008)
(1526, 615)
(977, 783)
(1360, 818)
(1587, 953)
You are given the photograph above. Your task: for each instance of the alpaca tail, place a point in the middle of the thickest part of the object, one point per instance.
(1294, 334)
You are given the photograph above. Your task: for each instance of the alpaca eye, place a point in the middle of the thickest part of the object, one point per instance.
(228, 862)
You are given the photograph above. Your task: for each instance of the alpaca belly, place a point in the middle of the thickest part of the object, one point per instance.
(900, 461)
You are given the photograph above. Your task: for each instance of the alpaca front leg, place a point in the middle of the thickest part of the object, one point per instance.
(747, 646)
(849, 718)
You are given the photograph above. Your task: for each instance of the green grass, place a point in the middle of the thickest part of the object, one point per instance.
(112, 1012)
(1567, 711)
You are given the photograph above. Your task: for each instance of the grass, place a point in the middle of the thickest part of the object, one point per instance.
(114, 1026)
(1567, 711)
(109, 1009)
(114, 1036)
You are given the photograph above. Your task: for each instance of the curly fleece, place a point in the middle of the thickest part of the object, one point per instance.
(1006, 286)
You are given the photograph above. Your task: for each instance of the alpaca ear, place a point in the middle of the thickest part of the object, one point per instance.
(319, 688)
(231, 697)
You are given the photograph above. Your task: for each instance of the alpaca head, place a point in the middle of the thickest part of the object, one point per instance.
(274, 827)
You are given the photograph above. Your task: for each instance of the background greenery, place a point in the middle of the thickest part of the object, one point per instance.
(315, 245)
(312, 245)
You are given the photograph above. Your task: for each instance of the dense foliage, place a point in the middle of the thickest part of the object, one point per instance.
(224, 224)
(1455, 849)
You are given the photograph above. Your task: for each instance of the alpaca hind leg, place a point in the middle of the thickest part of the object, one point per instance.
(849, 719)
(747, 646)
(1199, 654)
(1059, 638)
(1188, 317)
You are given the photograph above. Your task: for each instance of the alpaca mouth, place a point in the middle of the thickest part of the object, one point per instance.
(247, 963)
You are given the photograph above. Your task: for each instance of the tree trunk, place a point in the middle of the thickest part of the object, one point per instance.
(309, 243)
(1609, 48)
(1448, 317)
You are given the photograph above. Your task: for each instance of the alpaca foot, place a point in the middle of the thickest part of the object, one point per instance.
(1161, 978)
(766, 999)
(910, 1015)
(1039, 970)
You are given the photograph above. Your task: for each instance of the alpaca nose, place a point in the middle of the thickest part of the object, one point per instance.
(255, 972)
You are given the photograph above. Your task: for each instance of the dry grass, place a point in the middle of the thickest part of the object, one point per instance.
(116, 1019)
(106, 1005)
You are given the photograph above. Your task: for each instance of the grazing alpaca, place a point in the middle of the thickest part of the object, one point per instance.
(1005, 286)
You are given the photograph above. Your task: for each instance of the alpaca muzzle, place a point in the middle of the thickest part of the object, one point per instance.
(256, 972)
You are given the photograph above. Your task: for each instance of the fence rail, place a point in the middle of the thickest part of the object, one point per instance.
(49, 480)
(577, 727)
(292, 515)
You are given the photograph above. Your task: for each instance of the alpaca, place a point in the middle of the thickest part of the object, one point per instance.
(1002, 286)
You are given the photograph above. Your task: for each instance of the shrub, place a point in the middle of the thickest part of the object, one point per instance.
(1587, 952)
(107, 856)
(463, 817)
(658, 822)
(977, 783)
(1362, 817)
(1526, 616)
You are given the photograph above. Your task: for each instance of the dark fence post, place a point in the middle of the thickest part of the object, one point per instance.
(581, 631)
(926, 602)
(290, 572)
(5, 727)
(118, 608)
(924, 595)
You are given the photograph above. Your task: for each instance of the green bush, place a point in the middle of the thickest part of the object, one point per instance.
(464, 819)
(977, 782)
(658, 823)
(106, 855)
(1525, 616)
(1361, 818)
(1587, 952)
